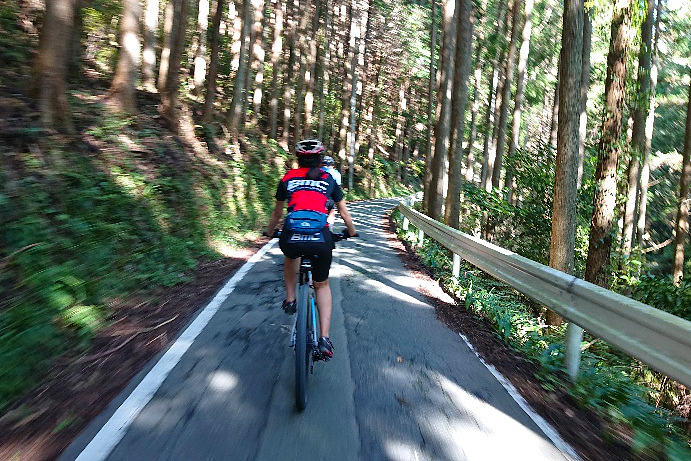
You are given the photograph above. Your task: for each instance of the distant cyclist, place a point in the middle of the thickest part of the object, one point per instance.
(328, 166)
(306, 230)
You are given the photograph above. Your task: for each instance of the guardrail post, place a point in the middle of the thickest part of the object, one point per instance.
(420, 237)
(406, 223)
(456, 270)
(572, 353)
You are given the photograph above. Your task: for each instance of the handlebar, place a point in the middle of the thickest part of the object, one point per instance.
(343, 235)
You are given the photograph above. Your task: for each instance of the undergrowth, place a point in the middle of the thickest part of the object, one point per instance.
(608, 381)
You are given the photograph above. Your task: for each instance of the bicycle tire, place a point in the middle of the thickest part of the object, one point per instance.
(302, 352)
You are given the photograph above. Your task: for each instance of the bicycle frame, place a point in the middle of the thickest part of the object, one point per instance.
(304, 335)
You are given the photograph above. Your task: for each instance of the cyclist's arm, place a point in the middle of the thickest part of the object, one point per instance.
(347, 219)
(275, 217)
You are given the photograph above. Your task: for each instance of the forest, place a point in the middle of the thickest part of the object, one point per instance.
(140, 138)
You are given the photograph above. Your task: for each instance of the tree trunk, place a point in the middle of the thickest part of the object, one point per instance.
(276, 49)
(400, 126)
(470, 149)
(168, 34)
(302, 51)
(640, 115)
(645, 167)
(555, 109)
(325, 68)
(292, 8)
(258, 55)
(150, 40)
(562, 244)
(520, 89)
(681, 227)
(489, 151)
(200, 53)
(463, 62)
(597, 263)
(213, 63)
(310, 76)
(51, 64)
(442, 131)
(506, 96)
(346, 90)
(355, 37)
(430, 104)
(585, 85)
(124, 86)
(169, 94)
(236, 117)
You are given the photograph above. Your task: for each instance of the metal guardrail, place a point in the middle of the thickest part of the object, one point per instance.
(656, 338)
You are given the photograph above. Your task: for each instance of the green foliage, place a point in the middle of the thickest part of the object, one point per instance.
(661, 292)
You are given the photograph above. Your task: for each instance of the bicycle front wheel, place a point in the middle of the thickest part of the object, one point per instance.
(302, 352)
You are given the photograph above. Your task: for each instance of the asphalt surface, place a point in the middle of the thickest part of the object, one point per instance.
(402, 386)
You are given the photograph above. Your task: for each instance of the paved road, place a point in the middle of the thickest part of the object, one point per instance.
(402, 385)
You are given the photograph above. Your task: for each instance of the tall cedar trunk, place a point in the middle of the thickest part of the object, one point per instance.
(506, 96)
(302, 52)
(470, 149)
(562, 244)
(235, 17)
(400, 128)
(51, 64)
(168, 34)
(213, 63)
(276, 49)
(258, 56)
(681, 227)
(645, 167)
(430, 105)
(488, 150)
(375, 125)
(597, 263)
(124, 86)
(554, 125)
(463, 62)
(520, 89)
(355, 37)
(325, 68)
(406, 153)
(585, 85)
(442, 130)
(363, 62)
(346, 62)
(310, 76)
(640, 115)
(235, 117)
(292, 8)
(76, 49)
(150, 40)
(169, 94)
(200, 53)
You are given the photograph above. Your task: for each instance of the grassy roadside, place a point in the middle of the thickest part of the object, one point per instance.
(609, 383)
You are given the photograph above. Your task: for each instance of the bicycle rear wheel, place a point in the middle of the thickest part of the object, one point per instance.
(302, 349)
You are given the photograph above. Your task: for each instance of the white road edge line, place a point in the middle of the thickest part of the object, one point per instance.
(547, 428)
(114, 429)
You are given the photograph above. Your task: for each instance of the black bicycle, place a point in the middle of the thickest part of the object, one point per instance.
(304, 337)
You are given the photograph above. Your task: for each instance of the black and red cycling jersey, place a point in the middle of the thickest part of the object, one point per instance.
(308, 194)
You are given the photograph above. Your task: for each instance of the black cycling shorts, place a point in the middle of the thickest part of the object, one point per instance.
(317, 247)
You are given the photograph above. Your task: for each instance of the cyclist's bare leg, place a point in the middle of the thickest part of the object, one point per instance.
(323, 293)
(291, 267)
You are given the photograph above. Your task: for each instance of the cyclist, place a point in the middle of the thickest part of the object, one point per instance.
(306, 230)
(328, 166)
